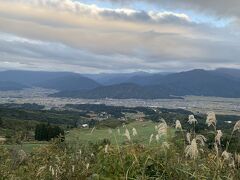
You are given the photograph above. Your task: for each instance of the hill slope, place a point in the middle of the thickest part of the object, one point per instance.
(9, 86)
(30, 77)
(195, 82)
(69, 83)
(119, 91)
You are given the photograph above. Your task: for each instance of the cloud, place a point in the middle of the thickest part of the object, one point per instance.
(83, 10)
(218, 7)
(38, 34)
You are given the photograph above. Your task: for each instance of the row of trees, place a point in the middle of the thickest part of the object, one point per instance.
(45, 132)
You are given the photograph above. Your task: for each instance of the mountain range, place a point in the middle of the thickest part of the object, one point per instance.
(138, 85)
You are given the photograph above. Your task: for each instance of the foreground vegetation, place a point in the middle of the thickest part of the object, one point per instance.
(140, 150)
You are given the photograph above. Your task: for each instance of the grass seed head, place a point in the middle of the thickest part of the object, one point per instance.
(237, 126)
(192, 150)
(178, 125)
(188, 136)
(127, 134)
(237, 159)
(216, 148)
(192, 119)
(106, 148)
(162, 128)
(151, 138)
(157, 137)
(165, 145)
(40, 170)
(92, 130)
(53, 172)
(211, 119)
(201, 139)
(87, 166)
(226, 155)
(134, 132)
(218, 137)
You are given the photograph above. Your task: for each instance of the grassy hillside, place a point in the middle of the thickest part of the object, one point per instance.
(137, 156)
(145, 130)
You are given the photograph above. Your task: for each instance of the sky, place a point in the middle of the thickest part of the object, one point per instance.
(95, 36)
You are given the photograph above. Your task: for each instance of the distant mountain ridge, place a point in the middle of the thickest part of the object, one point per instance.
(196, 82)
(30, 77)
(11, 86)
(119, 91)
(61, 81)
(139, 85)
(115, 78)
(231, 72)
(70, 82)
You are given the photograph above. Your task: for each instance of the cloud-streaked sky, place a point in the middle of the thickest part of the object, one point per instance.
(92, 36)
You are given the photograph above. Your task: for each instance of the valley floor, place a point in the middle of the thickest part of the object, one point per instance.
(229, 106)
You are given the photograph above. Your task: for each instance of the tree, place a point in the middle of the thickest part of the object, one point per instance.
(1, 122)
(47, 132)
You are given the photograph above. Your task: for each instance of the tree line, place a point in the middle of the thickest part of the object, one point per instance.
(46, 132)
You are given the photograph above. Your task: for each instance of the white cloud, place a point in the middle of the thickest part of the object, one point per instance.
(217, 7)
(39, 34)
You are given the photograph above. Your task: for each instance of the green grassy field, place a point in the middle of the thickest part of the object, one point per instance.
(82, 136)
(27, 147)
(144, 130)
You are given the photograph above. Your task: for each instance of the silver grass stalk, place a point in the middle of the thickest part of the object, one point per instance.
(22, 155)
(201, 139)
(216, 148)
(226, 155)
(237, 159)
(211, 119)
(134, 132)
(162, 128)
(218, 137)
(53, 172)
(92, 130)
(118, 131)
(80, 152)
(165, 145)
(232, 163)
(151, 138)
(237, 126)
(50, 168)
(157, 137)
(57, 170)
(188, 136)
(106, 148)
(87, 166)
(192, 150)
(192, 119)
(178, 125)
(40, 170)
(127, 134)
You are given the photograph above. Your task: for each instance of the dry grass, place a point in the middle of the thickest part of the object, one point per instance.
(169, 158)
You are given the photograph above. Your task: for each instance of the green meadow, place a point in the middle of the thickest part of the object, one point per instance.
(144, 130)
